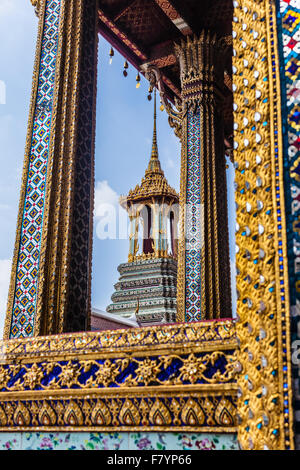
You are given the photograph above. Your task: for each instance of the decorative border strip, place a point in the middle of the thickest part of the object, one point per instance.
(216, 367)
(192, 220)
(192, 411)
(204, 336)
(284, 356)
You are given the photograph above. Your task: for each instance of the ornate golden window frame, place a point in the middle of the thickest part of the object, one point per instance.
(256, 347)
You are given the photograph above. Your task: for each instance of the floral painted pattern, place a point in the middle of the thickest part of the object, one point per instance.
(117, 441)
(147, 441)
(8, 441)
(75, 441)
(208, 441)
(182, 441)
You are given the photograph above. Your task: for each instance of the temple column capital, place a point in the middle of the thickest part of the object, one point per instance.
(202, 63)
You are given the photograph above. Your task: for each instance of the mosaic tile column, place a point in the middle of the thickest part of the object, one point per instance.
(203, 268)
(51, 272)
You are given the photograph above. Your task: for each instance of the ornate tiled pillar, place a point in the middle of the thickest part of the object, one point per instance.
(203, 267)
(51, 272)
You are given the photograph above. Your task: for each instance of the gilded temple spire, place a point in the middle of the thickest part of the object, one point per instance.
(154, 184)
(152, 257)
(154, 163)
(154, 153)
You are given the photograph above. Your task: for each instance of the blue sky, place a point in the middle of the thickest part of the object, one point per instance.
(123, 143)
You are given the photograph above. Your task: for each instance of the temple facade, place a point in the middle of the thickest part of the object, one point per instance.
(147, 284)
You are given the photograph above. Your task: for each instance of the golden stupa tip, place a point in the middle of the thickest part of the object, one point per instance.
(154, 163)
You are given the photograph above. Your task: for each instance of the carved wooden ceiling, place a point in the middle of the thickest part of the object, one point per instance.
(144, 31)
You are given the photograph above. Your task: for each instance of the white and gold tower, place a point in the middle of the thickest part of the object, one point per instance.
(147, 281)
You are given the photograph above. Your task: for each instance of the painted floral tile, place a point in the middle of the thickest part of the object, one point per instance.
(75, 441)
(117, 441)
(10, 441)
(182, 441)
(206, 441)
(146, 441)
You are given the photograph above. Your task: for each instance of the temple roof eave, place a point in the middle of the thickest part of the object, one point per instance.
(140, 197)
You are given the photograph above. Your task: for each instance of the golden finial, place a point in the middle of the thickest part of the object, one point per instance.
(138, 306)
(154, 152)
(154, 163)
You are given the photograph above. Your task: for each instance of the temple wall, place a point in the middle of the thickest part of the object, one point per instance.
(116, 441)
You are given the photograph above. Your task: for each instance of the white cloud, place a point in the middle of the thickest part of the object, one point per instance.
(5, 268)
(104, 195)
(108, 214)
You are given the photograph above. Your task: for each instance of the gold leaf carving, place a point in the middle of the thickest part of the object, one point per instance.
(3, 419)
(47, 416)
(192, 413)
(21, 415)
(4, 377)
(129, 414)
(100, 414)
(33, 376)
(225, 413)
(37, 6)
(159, 414)
(73, 415)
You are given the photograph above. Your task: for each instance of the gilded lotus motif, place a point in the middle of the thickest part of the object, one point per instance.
(192, 369)
(33, 376)
(107, 373)
(147, 371)
(68, 375)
